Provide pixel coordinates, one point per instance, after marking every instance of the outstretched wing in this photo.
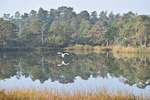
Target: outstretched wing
(59, 53)
(66, 63)
(59, 64)
(66, 53)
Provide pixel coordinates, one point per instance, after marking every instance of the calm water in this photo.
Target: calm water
(76, 71)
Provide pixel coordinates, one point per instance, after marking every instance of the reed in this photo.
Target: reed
(32, 94)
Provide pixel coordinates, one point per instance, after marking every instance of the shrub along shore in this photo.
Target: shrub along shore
(32, 94)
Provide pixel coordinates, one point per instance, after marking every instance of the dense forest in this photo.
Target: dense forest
(64, 27)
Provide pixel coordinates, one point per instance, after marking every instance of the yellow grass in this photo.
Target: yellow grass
(89, 48)
(80, 47)
(32, 94)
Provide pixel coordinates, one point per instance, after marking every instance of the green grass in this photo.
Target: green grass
(32, 94)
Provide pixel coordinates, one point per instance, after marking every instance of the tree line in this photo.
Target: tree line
(64, 27)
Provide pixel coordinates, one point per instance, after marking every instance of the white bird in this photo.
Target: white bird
(63, 54)
(63, 63)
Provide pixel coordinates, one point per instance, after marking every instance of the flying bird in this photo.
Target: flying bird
(63, 54)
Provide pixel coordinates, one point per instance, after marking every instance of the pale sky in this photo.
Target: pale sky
(117, 6)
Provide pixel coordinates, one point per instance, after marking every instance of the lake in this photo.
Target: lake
(80, 71)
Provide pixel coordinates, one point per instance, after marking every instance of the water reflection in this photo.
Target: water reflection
(45, 66)
(63, 63)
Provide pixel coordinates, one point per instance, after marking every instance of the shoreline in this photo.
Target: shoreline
(85, 48)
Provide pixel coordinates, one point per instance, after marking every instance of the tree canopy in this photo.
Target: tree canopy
(63, 27)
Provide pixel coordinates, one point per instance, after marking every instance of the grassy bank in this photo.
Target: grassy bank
(32, 94)
(89, 48)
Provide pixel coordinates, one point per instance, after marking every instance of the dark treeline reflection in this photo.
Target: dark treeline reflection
(44, 66)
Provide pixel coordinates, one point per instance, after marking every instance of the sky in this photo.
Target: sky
(117, 6)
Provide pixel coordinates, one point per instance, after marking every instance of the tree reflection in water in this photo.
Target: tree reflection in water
(43, 66)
